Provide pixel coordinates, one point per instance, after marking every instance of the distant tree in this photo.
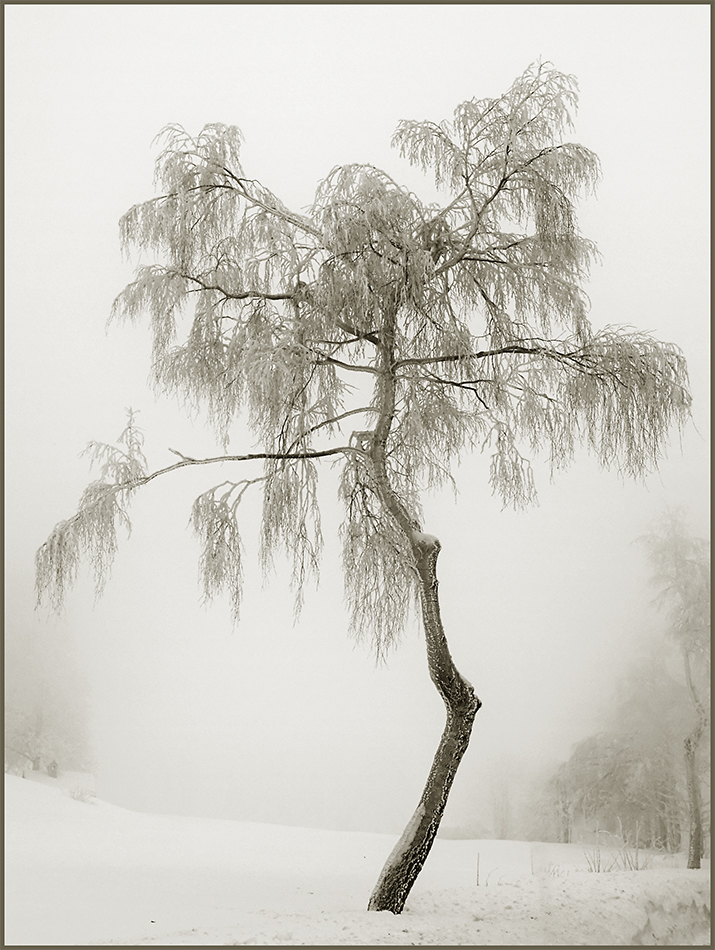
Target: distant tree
(628, 778)
(681, 573)
(651, 713)
(501, 800)
(559, 789)
(34, 739)
(612, 783)
(46, 706)
(468, 320)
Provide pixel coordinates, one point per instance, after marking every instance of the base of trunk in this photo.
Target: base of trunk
(410, 853)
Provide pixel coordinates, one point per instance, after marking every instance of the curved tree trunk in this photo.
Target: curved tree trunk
(409, 855)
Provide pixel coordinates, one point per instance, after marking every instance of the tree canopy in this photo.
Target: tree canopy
(680, 562)
(467, 317)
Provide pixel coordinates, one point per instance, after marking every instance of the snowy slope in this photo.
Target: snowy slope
(89, 873)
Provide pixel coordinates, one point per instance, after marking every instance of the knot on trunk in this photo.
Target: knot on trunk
(464, 701)
(426, 549)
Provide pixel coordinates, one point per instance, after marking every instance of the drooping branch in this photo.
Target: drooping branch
(324, 359)
(332, 421)
(519, 348)
(92, 529)
(468, 384)
(242, 295)
(286, 456)
(275, 208)
(580, 358)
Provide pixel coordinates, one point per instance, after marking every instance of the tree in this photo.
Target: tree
(502, 801)
(623, 781)
(468, 320)
(650, 714)
(46, 704)
(681, 572)
(628, 779)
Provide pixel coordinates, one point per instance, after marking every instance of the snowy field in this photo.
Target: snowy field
(82, 872)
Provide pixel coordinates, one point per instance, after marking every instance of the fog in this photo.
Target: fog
(297, 724)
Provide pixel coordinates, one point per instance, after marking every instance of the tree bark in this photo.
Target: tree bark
(695, 844)
(409, 855)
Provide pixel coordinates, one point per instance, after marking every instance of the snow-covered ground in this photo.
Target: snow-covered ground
(83, 872)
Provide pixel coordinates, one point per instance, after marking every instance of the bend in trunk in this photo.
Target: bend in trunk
(409, 855)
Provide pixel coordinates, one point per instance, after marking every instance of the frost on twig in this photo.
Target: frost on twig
(440, 328)
(92, 532)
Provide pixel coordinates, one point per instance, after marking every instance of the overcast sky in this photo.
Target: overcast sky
(272, 722)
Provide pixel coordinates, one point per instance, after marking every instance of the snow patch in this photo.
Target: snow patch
(425, 540)
(103, 875)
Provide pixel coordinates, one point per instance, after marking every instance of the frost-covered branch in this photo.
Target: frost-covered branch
(92, 531)
(466, 321)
